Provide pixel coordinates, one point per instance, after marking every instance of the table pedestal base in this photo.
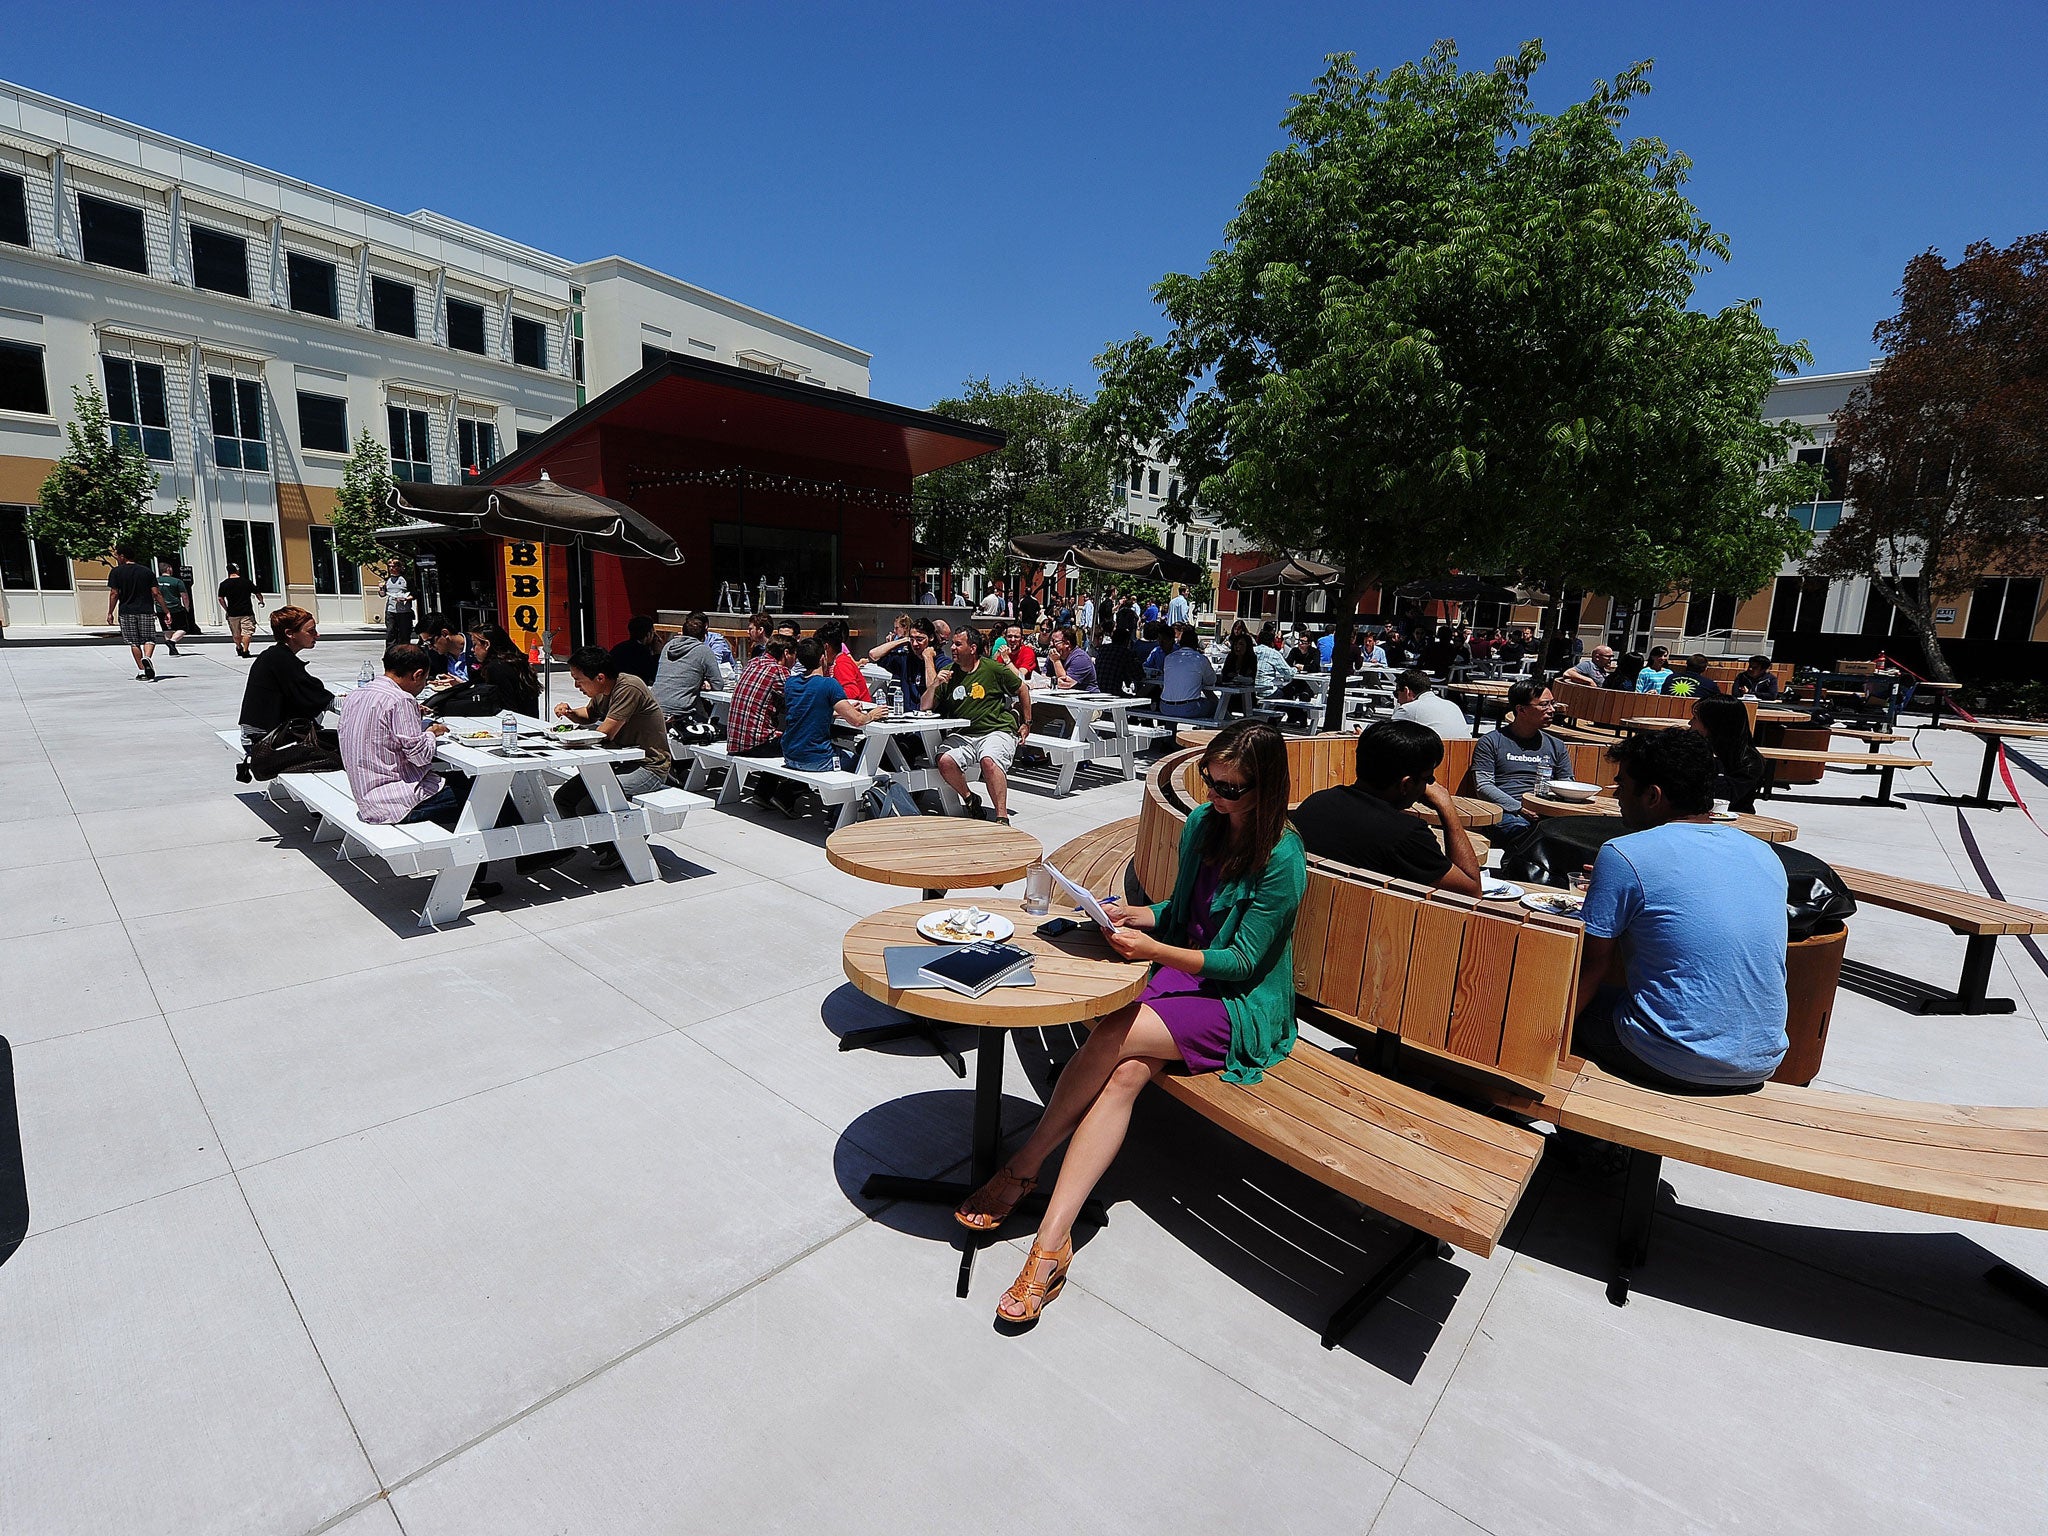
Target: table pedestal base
(907, 1029)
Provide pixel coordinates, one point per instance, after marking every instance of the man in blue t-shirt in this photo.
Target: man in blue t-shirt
(1692, 912)
(812, 700)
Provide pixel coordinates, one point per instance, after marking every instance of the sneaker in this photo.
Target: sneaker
(142, 677)
(149, 671)
(172, 648)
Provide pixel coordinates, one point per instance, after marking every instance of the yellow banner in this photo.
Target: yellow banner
(526, 601)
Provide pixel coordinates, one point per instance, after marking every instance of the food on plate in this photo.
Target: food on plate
(962, 924)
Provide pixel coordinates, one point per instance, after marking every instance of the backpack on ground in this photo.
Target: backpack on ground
(886, 797)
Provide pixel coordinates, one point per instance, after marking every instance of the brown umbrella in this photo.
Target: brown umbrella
(1291, 572)
(1104, 549)
(543, 511)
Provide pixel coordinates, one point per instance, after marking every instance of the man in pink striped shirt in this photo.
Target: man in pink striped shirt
(388, 750)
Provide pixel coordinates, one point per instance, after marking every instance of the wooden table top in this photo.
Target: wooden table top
(1843, 759)
(1076, 977)
(1996, 728)
(1764, 828)
(933, 853)
(1491, 690)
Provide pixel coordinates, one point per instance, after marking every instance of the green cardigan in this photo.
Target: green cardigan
(1251, 958)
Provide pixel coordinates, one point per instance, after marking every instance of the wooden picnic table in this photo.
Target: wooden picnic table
(1765, 828)
(1992, 733)
(1076, 978)
(1885, 766)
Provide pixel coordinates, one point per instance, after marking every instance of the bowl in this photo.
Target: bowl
(1575, 790)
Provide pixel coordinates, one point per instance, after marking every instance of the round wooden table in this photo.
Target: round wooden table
(935, 854)
(1765, 828)
(1075, 978)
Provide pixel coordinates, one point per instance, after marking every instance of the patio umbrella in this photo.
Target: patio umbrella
(542, 512)
(1104, 549)
(1459, 589)
(1291, 572)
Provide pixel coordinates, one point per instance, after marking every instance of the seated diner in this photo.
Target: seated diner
(1366, 824)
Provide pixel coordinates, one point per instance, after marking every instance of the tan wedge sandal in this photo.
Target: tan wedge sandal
(984, 1211)
(1031, 1294)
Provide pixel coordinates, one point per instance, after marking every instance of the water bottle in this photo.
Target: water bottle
(508, 730)
(363, 675)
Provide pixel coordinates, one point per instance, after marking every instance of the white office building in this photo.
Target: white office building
(245, 327)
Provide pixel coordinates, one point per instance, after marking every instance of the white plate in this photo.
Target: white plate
(995, 928)
(1540, 901)
(1726, 816)
(574, 738)
(1501, 891)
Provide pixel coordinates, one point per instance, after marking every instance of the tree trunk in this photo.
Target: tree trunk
(1341, 654)
(1920, 609)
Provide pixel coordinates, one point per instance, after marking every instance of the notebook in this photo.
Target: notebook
(972, 969)
(905, 961)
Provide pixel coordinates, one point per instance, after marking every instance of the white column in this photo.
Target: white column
(279, 292)
(63, 223)
(181, 248)
(439, 330)
(363, 285)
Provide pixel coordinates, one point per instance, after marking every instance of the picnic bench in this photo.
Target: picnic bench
(834, 787)
(1885, 765)
(1993, 733)
(1481, 997)
(1981, 920)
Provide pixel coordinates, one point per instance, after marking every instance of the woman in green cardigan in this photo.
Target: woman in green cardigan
(1221, 997)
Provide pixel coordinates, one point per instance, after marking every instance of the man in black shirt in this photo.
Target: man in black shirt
(131, 586)
(1366, 823)
(237, 598)
(637, 653)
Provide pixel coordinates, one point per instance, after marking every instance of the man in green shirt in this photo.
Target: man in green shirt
(996, 704)
(177, 603)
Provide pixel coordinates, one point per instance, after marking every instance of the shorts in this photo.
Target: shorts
(241, 626)
(967, 752)
(140, 629)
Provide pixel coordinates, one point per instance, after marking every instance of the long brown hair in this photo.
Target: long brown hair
(1258, 750)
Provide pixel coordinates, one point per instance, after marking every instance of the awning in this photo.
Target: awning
(1290, 572)
(540, 511)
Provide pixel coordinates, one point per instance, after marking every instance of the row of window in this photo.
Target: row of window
(1146, 481)
(31, 565)
(113, 235)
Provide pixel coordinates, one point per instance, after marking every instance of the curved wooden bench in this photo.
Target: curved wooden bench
(1099, 860)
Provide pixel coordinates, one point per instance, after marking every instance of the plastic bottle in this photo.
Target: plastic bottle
(508, 730)
(363, 676)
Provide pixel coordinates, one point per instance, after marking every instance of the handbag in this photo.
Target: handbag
(293, 746)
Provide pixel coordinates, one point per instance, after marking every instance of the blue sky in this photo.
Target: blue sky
(966, 189)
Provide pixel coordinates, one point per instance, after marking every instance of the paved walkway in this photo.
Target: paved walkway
(549, 1222)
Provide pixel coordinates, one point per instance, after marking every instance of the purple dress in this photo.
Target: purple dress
(1192, 1009)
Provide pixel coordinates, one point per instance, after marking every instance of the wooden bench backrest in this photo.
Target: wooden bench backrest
(1473, 981)
(1611, 706)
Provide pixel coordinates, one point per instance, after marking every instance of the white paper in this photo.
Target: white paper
(1084, 900)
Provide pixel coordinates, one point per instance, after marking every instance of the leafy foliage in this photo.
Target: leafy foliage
(1046, 478)
(1446, 331)
(153, 535)
(1947, 445)
(100, 490)
(359, 504)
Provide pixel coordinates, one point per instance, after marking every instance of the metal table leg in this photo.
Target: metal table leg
(1982, 799)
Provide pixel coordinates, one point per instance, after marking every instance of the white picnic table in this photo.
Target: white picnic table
(881, 750)
(1085, 706)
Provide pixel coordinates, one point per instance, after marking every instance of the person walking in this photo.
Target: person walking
(397, 605)
(237, 598)
(132, 592)
(178, 618)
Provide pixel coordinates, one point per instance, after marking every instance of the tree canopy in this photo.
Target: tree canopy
(1446, 331)
(1947, 444)
(359, 504)
(101, 493)
(1049, 476)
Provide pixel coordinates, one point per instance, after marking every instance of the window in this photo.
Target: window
(136, 408)
(478, 441)
(1710, 613)
(1825, 510)
(323, 423)
(526, 437)
(391, 307)
(26, 564)
(311, 285)
(1137, 477)
(1880, 618)
(1173, 490)
(529, 342)
(220, 262)
(1798, 604)
(2003, 609)
(13, 209)
(238, 438)
(253, 546)
(332, 575)
(21, 379)
(412, 457)
(579, 363)
(649, 356)
(1152, 482)
(465, 326)
(112, 233)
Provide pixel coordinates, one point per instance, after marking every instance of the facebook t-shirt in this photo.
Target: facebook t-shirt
(1699, 909)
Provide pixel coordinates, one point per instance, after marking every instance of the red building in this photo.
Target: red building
(756, 478)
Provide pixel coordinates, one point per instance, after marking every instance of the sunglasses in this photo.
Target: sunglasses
(1225, 791)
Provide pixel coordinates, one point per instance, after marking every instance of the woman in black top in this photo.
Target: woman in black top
(279, 687)
(1241, 661)
(1623, 678)
(1738, 769)
(501, 663)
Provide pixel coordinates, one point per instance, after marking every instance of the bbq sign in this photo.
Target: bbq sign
(526, 601)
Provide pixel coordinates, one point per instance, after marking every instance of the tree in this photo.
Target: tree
(99, 494)
(1947, 444)
(153, 535)
(359, 504)
(1047, 477)
(1446, 331)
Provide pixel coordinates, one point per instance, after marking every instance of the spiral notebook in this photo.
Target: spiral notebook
(907, 962)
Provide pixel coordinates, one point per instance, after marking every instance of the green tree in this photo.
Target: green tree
(1047, 477)
(1446, 331)
(100, 490)
(153, 535)
(359, 504)
(1947, 445)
